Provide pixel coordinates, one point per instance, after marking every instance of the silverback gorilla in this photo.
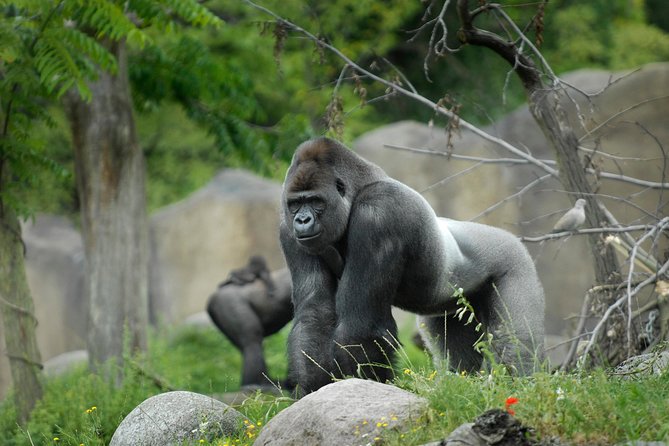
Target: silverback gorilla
(358, 242)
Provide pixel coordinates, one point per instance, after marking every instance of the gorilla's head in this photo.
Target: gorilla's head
(316, 196)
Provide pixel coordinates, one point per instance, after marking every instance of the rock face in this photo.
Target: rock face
(197, 241)
(174, 417)
(55, 263)
(350, 412)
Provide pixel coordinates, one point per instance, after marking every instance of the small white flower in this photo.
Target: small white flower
(559, 394)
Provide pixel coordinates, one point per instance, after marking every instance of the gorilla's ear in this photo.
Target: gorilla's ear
(341, 187)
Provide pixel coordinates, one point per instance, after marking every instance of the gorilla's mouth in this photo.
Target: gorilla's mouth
(307, 237)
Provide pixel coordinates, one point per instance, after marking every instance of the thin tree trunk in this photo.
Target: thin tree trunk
(111, 183)
(547, 110)
(552, 119)
(18, 317)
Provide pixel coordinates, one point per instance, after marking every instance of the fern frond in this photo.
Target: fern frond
(192, 12)
(104, 17)
(57, 68)
(86, 46)
(11, 42)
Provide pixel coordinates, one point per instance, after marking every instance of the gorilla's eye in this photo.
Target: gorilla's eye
(317, 204)
(294, 206)
(341, 188)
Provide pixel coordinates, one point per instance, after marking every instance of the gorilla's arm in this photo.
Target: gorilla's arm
(310, 339)
(382, 219)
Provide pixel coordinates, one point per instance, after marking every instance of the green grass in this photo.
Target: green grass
(592, 409)
(81, 408)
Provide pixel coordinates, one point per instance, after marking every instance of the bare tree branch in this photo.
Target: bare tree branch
(421, 99)
(586, 231)
(526, 161)
(620, 113)
(618, 303)
(522, 191)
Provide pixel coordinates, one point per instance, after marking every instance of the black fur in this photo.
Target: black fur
(246, 313)
(358, 242)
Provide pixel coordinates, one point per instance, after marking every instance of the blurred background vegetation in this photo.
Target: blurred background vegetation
(245, 94)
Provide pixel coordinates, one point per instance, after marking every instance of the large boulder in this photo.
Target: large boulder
(351, 412)
(175, 417)
(197, 241)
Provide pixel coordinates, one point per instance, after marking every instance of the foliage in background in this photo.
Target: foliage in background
(254, 93)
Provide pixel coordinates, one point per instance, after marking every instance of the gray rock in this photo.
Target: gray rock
(349, 412)
(198, 320)
(174, 417)
(655, 363)
(197, 241)
(65, 361)
(55, 267)
(495, 427)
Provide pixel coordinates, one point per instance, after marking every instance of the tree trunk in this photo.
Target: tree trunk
(547, 110)
(110, 174)
(18, 317)
(552, 119)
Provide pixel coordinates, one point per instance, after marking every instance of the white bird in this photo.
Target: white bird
(572, 219)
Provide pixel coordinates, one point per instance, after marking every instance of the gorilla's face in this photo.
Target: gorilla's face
(316, 206)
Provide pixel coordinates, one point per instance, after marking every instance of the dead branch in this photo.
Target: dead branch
(407, 93)
(596, 332)
(558, 235)
(522, 191)
(620, 113)
(526, 161)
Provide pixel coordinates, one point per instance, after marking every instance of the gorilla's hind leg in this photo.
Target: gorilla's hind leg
(452, 340)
